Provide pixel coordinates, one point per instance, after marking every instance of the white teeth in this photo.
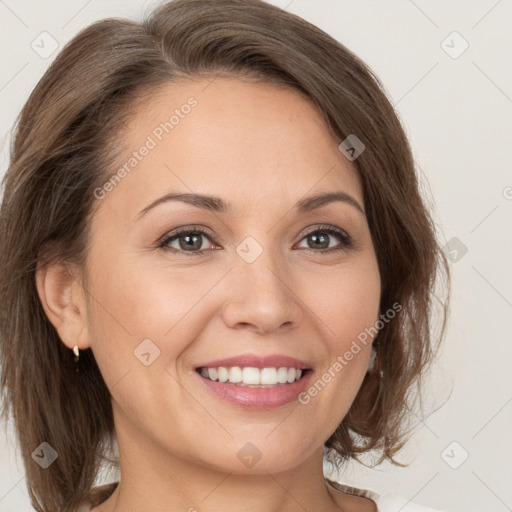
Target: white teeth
(282, 375)
(223, 374)
(250, 376)
(268, 376)
(235, 375)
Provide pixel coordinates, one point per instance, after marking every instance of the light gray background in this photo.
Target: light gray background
(458, 116)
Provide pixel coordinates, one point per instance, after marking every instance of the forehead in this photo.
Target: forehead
(249, 142)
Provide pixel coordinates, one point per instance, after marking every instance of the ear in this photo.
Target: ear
(63, 300)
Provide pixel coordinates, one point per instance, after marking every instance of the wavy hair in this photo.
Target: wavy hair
(63, 149)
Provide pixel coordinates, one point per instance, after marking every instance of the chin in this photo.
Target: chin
(254, 457)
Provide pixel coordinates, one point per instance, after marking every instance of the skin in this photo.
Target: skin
(261, 147)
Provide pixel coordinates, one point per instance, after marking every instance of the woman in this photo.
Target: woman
(225, 269)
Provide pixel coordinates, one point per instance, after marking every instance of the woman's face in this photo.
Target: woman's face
(256, 284)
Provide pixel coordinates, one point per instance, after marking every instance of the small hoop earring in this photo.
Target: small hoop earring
(77, 355)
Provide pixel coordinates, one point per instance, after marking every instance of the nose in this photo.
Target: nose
(261, 297)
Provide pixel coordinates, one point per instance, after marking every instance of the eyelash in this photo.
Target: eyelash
(346, 240)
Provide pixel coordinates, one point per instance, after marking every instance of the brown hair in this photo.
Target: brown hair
(63, 149)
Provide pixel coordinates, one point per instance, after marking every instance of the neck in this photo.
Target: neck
(158, 481)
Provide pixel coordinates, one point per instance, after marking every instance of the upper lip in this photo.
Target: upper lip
(255, 361)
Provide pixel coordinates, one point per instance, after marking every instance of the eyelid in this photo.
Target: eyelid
(329, 228)
(185, 229)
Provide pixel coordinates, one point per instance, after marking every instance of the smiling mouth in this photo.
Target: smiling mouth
(253, 377)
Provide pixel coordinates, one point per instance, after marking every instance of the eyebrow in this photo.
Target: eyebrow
(218, 205)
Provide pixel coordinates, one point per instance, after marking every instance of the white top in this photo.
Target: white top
(387, 502)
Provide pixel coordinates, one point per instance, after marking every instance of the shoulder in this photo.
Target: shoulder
(387, 502)
(97, 496)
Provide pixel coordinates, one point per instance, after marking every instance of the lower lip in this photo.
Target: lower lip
(257, 398)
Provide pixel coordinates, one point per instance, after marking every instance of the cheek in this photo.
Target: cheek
(143, 301)
(347, 302)
(144, 297)
(348, 305)
(144, 311)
